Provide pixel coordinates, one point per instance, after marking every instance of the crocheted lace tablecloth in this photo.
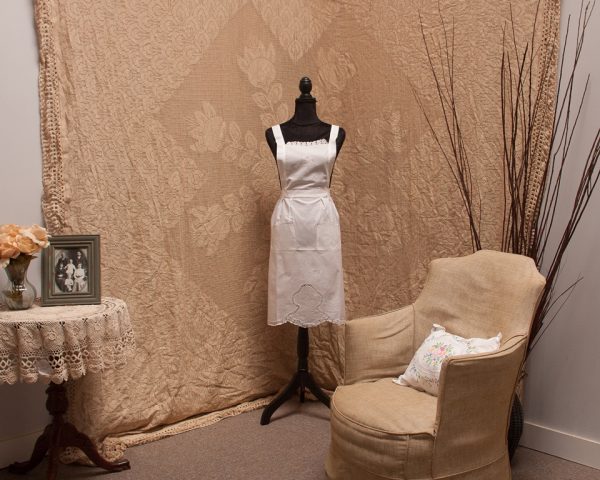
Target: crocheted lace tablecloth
(65, 342)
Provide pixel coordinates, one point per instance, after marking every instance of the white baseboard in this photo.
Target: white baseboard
(561, 444)
(17, 449)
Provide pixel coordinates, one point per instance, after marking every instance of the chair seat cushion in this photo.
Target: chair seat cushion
(384, 428)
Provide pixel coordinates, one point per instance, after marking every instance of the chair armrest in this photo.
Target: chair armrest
(474, 403)
(379, 346)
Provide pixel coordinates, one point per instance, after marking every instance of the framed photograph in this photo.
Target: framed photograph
(71, 270)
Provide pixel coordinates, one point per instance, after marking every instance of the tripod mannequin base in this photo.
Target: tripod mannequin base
(301, 381)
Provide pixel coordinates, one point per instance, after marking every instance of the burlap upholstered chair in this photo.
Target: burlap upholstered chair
(381, 430)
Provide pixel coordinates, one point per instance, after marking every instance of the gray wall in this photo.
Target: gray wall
(22, 412)
(563, 384)
(562, 391)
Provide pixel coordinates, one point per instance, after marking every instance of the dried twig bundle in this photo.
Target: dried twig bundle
(529, 221)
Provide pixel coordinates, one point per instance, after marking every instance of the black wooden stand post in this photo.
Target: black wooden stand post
(301, 380)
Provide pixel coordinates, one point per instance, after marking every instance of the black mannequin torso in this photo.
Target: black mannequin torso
(294, 132)
(305, 125)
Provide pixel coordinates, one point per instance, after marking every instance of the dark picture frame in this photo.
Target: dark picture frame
(71, 270)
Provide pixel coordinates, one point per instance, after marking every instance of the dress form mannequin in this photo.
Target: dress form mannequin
(304, 126)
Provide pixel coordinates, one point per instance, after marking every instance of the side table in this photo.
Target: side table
(63, 343)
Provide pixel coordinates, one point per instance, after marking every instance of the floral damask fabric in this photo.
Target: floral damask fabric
(153, 117)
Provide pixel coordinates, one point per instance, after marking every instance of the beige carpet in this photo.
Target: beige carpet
(293, 446)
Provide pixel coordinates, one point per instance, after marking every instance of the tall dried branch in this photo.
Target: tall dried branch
(521, 104)
(451, 141)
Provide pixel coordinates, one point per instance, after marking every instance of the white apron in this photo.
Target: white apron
(306, 285)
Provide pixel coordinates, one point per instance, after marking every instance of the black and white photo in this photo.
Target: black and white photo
(71, 270)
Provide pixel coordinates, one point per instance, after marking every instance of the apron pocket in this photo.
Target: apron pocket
(283, 236)
(328, 236)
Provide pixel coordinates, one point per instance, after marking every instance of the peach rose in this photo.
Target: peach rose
(15, 240)
(37, 234)
(8, 246)
(26, 245)
(10, 229)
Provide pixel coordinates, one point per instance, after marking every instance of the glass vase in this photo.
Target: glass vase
(17, 292)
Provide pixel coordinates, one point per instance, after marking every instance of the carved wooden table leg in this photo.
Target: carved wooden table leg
(59, 435)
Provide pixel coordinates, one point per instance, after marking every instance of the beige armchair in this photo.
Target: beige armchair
(381, 430)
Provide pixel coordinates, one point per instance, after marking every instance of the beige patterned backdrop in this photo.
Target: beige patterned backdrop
(154, 114)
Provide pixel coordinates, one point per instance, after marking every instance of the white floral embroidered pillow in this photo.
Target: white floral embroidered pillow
(423, 372)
